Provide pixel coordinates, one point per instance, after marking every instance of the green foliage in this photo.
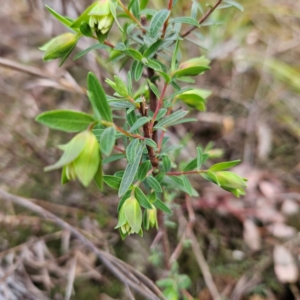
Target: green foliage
(150, 49)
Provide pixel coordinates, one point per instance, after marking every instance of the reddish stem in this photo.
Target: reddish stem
(185, 173)
(203, 18)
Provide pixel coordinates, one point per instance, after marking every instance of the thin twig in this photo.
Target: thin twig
(203, 18)
(167, 21)
(141, 284)
(199, 254)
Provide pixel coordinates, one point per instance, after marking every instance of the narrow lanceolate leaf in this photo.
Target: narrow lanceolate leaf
(154, 89)
(174, 57)
(235, 4)
(139, 123)
(192, 165)
(185, 20)
(144, 168)
(112, 181)
(98, 98)
(107, 140)
(224, 165)
(157, 21)
(131, 150)
(150, 143)
(60, 18)
(199, 158)
(162, 206)
(130, 171)
(65, 120)
(166, 163)
(187, 185)
(94, 47)
(153, 48)
(141, 198)
(171, 118)
(154, 184)
(161, 113)
(113, 158)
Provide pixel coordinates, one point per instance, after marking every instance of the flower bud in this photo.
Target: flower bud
(150, 218)
(101, 18)
(231, 182)
(59, 46)
(81, 158)
(192, 67)
(130, 218)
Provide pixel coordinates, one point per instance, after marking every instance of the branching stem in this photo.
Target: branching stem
(203, 18)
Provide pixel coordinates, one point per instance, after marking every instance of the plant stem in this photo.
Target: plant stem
(147, 133)
(167, 21)
(185, 173)
(126, 133)
(203, 18)
(159, 105)
(132, 17)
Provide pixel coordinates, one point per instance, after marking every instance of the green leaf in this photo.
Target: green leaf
(199, 158)
(161, 113)
(224, 165)
(141, 198)
(174, 57)
(112, 181)
(154, 89)
(171, 118)
(113, 158)
(137, 70)
(98, 98)
(144, 168)
(162, 206)
(112, 8)
(84, 17)
(185, 20)
(131, 150)
(67, 22)
(94, 47)
(139, 123)
(153, 48)
(65, 120)
(157, 21)
(166, 163)
(130, 171)
(121, 86)
(150, 143)
(234, 4)
(213, 177)
(192, 165)
(134, 54)
(86, 30)
(187, 185)
(107, 140)
(154, 184)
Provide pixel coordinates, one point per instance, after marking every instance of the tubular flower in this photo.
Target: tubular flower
(150, 218)
(81, 159)
(231, 182)
(101, 18)
(59, 46)
(130, 218)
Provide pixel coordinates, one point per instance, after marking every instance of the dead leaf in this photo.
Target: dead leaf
(251, 235)
(284, 265)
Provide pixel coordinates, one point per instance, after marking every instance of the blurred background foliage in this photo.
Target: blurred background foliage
(253, 114)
